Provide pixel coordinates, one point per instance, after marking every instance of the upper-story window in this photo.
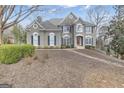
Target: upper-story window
(79, 28)
(88, 30)
(66, 29)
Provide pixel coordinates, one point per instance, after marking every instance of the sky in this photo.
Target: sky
(60, 11)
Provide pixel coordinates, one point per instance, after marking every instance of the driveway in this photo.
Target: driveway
(63, 68)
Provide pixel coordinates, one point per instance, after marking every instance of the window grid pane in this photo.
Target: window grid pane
(66, 29)
(88, 30)
(88, 41)
(79, 28)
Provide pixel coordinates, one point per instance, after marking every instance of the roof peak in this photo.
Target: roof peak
(71, 13)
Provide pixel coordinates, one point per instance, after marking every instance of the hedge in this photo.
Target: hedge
(89, 47)
(13, 53)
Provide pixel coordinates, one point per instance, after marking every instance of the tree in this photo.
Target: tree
(13, 14)
(99, 16)
(5, 39)
(117, 31)
(19, 34)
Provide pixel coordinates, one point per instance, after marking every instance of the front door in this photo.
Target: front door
(79, 40)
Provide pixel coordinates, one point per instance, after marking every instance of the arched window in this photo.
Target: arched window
(88, 40)
(51, 39)
(66, 40)
(35, 39)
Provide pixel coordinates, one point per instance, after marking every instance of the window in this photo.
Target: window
(79, 28)
(66, 40)
(88, 30)
(35, 26)
(89, 40)
(51, 39)
(66, 29)
(35, 39)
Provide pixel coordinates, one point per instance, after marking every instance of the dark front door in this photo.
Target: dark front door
(79, 40)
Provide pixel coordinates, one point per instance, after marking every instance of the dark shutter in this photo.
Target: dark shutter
(62, 29)
(54, 40)
(92, 41)
(38, 40)
(61, 41)
(32, 39)
(48, 40)
(82, 41)
(92, 29)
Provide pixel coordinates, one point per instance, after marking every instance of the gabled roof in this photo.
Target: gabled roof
(55, 21)
(35, 22)
(69, 19)
(49, 25)
(53, 24)
(83, 22)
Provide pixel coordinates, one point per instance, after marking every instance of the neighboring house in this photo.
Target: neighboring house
(8, 37)
(70, 31)
(104, 38)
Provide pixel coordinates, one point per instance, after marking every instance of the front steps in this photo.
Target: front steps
(80, 47)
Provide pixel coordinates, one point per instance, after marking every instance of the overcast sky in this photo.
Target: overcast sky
(55, 11)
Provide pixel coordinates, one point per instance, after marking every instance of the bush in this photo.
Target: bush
(27, 50)
(63, 46)
(89, 47)
(13, 53)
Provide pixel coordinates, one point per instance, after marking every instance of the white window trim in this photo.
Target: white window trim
(35, 26)
(89, 31)
(66, 37)
(35, 36)
(53, 42)
(88, 37)
(67, 31)
(80, 28)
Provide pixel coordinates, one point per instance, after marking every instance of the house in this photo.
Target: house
(70, 31)
(104, 38)
(8, 36)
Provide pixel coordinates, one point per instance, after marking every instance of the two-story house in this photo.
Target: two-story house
(70, 31)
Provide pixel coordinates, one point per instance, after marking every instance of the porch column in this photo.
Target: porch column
(84, 41)
(75, 41)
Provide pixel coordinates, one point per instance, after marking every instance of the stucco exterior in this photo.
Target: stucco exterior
(65, 32)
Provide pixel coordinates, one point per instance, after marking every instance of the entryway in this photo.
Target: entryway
(80, 42)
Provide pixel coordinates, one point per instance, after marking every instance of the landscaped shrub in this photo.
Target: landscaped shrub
(63, 46)
(27, 50)
(13, 53)
(89, 47)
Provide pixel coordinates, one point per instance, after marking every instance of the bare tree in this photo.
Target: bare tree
(99, 16)
(13, 14)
